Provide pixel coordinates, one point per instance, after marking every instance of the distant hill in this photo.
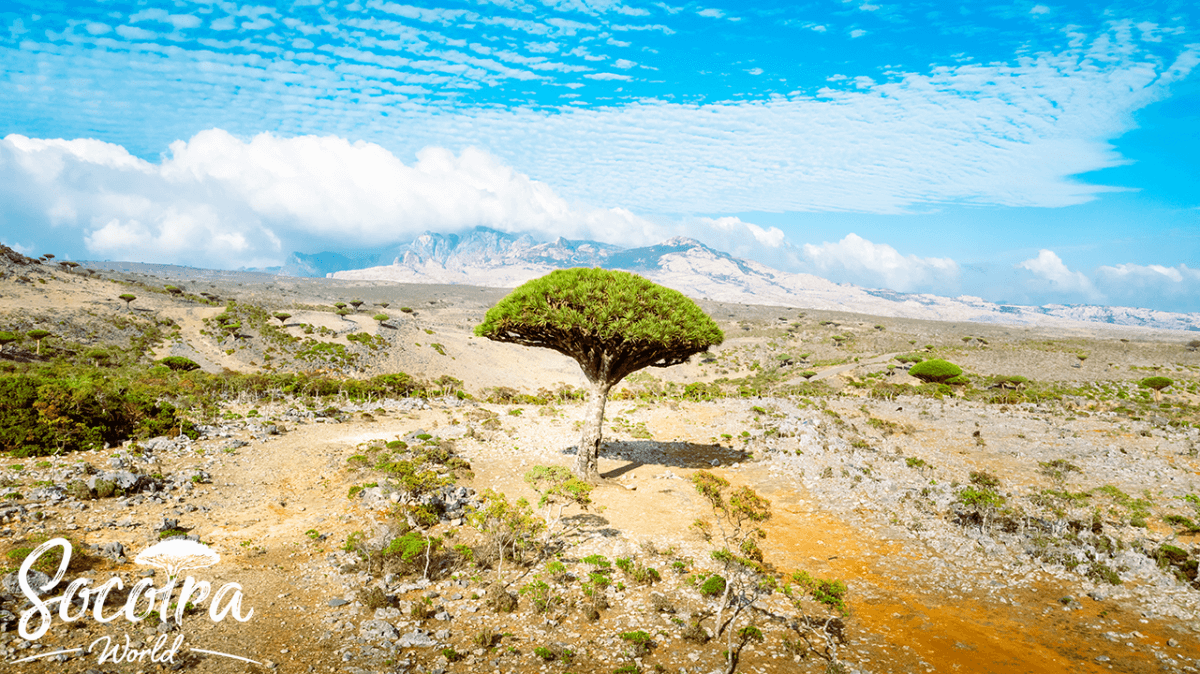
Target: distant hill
(485, 257)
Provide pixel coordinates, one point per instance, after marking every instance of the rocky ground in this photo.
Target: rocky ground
(1070, 565)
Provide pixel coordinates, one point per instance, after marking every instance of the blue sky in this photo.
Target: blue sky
(1028, 152)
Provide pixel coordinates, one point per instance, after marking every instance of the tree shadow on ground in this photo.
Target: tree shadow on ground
(589, 523)
(671, 454)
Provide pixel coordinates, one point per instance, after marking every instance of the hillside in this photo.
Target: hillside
(999, 524)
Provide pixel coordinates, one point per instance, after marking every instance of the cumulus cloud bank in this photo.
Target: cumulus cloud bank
(216, 200)
(861, 259)
(1172, 287)
(1048, 268)
(1050, 280)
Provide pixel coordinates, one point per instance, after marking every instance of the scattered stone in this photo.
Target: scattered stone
(378, 629)
(415, 638)
(36, 578)
(113, 550)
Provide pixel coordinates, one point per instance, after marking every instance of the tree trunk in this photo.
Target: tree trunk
(586, 458)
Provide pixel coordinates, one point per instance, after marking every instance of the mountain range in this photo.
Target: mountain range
(486, 257)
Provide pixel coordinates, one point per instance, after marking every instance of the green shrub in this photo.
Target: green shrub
(540, 595)
(712, 586)
(639, 641)
(50, 560)
(105, 488)
(1103, 573)
(831, 593)
(79, 490)
(1184, 523)
(1015, 381)
(180, 364)
(935, 370)
(50, 415)
(980, 497)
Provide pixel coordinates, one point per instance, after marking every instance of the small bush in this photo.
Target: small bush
(1102, 573)
(179, 363)
(695, 634)
(374, 598)
(935, 370)
(712, 586)
(500, 600)
(984, 479)
(831, 593)
(422, 610)
(105, 488)
(639, 642)
(485, 638)
(79, 490)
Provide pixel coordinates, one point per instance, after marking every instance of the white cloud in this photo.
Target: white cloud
(135, 33)
(24, 250)
(771, 237)
(219, 201)
(257, 24)
(857, 32)
(1152, 274)
(176, 20)
(755, 71)
(1049, 267)
(868, 262)
(1039, 9)
(1144, 285)
(1009, 134)
(711, 13)
(993, 134)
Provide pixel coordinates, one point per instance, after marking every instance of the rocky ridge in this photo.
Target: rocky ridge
(492, 259)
